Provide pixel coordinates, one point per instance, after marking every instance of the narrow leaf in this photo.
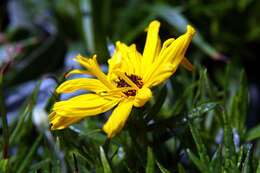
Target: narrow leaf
(29, 157)
(19, 125)
(199, 144)
(258, 167)
(216, 161)
(150, 161)
(246, 167)
(230, 156)
(201, 110)
(180, 168)
(158, 104)
(4, 165)
(200, 165)
(181, 101)
(162, 169)
(104, 161)
(253, 133)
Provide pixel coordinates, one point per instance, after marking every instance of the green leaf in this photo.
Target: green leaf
(199, 144)
(253, 133)
(153, 111)
(162, 169)
(180, 168)
(240, 157)
(200, 165)
(150, 161)
(202, 109)
(238, 107)
(205, 89)
(258, 167)
(28, 159)
(19, 125)
(4, 165)
(216, 161)
(91, 132)
(39, 165)
(230, 156)
(181, 101)
(246, 166)
(104, 161)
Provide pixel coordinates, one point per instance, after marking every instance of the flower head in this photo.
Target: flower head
(128, 83)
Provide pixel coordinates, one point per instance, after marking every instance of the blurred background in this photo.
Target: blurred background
(39, 39)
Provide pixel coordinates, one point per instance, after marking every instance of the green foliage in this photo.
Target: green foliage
(195, 122)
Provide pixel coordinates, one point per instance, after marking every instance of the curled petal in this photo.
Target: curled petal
(152, 45)
(172, 53)
(92, 65)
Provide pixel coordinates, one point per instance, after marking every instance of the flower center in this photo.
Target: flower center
(135, 79)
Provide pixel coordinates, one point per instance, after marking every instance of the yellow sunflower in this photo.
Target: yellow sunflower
(128, 83)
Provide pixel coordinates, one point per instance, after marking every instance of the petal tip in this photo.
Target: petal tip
(79, 56)
(190, 30)
(153, 24)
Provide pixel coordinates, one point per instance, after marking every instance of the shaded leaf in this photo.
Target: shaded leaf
(200, 165)
(162, 169)
(246, 166)
(104, 161)
(150, 161)
(253, 133)
(153, 111)
(29, 157)
(199, 144)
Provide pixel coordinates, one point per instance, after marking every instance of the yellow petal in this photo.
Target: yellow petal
(118, 118)
(170, 56)
(142, 96)
(85, 105)
(77, 71)
(186, 64)
(135, 58)
(125, 59)
(152, 45)
(60, 122)
(84, 83)
(157, 64)
(92, 65)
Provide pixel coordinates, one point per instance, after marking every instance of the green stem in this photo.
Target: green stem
(4, 120)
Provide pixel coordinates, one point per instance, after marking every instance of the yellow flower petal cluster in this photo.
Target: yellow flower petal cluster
(128, 83)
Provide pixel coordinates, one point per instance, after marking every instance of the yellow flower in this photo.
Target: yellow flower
(128, 83)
